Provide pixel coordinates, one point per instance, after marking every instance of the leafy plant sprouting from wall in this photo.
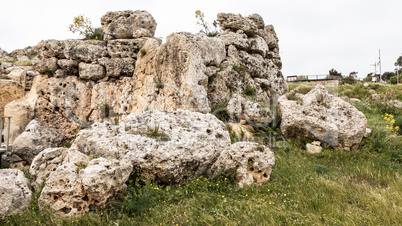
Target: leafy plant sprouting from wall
(83, 26)
(205, 27)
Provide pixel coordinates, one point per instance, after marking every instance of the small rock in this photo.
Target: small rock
(352, 100)
(317, 143)
(368, 133)
(243, 122)
(366, 84)
(375, 96)
(395, 103)
(313, 149)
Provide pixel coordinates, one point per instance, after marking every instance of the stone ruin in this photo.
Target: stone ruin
(146, 106)
(83, 81)
(116, 88)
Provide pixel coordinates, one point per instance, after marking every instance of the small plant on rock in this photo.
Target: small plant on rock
(143, 52)
(83, 26)
(249, 91)
(206, 29)
(94, 156)
(153, 132)
(81, 165)
(221, 112)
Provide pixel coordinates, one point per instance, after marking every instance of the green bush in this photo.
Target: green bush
(398, 122)
(250, 91)
(392, 80)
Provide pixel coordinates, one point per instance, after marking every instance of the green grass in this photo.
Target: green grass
(17, 62)
(360, 187)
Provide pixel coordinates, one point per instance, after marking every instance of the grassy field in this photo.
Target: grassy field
(360, 187)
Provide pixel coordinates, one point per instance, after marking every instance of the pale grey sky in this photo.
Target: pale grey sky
(315, 35)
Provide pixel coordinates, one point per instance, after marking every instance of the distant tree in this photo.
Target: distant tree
(351, 79)
(393, 80)
(368, 78)
(387, 75)
(399, 62)
(83, 26)
(353, 74)
(334, 74)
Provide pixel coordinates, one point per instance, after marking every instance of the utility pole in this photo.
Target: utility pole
(375, 70)
(379, 62)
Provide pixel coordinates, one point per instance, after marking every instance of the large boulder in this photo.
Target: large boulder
(321, 116)
(173, 75)
(3, 53)
(75, 187)
(128, 24)
(92, 72)
(123, 48)
(67, 67)
(19, 75)
(85, 50)
(116, 67)
(9, 90)
(167, 146)
(252, 112)
(14, 192)
(251, 162)
(35, 139)
(49, 159)
(22, 114)
(51, 48)
(235, 22)
(63, 103)
(22, 110)
(47, 65)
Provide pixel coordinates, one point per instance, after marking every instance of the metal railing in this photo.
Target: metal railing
(309, 78)
(4, 150)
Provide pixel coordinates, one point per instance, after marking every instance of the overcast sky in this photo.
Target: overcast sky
(314, 35)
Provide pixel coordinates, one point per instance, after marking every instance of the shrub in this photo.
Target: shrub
(220, 111)
(398, 123)
(239, 69)
(349, 80)
(304, 89)
(393, 80)
(249, 91)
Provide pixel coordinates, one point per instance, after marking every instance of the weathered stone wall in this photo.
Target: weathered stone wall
(131, 71)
